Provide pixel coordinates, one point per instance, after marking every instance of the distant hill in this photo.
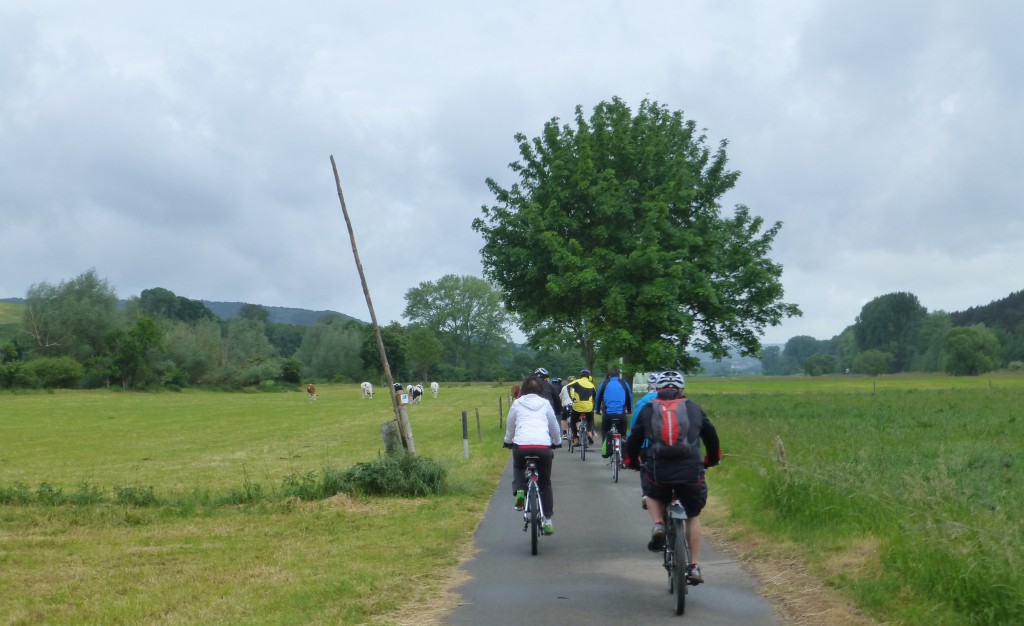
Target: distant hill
(278, 314)
(223, 310)
(1006, 314)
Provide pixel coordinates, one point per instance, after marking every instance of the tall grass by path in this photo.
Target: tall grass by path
(928, 472)
(190, 559)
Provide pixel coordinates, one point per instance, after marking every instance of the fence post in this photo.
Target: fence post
(479, 438)
(465, 436)
(780, 454)
(500, 411)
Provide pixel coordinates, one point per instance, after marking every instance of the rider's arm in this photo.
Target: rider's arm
(712, 447)
(510, 426)
(554, 429)
(637, 436)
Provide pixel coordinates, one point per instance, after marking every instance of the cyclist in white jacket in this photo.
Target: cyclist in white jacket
(532, 430)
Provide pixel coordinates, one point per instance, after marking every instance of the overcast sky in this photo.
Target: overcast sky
(186, 145)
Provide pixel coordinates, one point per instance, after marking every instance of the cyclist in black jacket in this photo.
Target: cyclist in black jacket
(673, 464)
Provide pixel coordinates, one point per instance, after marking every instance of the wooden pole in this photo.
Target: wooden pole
(401, 414)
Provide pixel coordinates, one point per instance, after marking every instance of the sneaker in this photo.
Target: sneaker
(520, 500)
(575, 441)
(549, 526)
(643, 502)
(657, 542)
(693, 576)
(565, 437)
(590, 439)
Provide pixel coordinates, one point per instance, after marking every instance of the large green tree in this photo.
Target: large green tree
(425, 351)
(467, 315)
(331, 350)
(70, 319)
(971, 350)
(613, 239)
(891, 323)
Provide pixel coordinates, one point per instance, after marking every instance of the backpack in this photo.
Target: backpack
(670, 428)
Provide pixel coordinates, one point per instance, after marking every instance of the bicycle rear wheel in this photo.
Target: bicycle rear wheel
(535, 521)
(680, 558)
(615, 466)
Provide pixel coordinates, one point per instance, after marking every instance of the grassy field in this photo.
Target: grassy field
(189, 560)
(904, 493)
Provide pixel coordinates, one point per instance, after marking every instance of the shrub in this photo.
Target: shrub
(14, 375)
(18, 493)
(302, 486)
(60, 372)
(396, 475)
(135, 496)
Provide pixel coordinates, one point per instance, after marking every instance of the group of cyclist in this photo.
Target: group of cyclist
(548, 412)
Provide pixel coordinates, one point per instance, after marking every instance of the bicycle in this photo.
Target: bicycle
(579, 438)
(676, 552)
(616, 455)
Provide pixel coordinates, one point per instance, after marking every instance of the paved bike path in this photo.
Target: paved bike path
(596, 568)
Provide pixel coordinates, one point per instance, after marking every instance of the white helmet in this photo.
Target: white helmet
(670, 379)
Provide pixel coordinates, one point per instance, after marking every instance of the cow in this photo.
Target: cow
(415, 393)
(311, 390)
(434, 388)
(513, 394)
(367, 390)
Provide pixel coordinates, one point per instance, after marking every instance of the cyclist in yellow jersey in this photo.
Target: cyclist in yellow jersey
(582, 393)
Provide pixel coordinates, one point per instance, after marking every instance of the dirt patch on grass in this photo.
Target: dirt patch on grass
(798, 597)
(436, 605)
(368, 506)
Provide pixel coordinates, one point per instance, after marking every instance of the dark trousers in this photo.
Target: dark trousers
(577, 417)
(544, 458)
(606, 424)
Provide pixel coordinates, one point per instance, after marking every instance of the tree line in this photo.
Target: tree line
(895, 333)
(75, 334)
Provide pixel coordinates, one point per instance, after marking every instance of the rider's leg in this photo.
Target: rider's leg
(693, 537)
(656, 509)
(518, 470)
(547, 493)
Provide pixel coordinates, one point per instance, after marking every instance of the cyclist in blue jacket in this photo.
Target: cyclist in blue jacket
(615, 401)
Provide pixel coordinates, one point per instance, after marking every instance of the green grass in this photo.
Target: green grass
(904, 493)
(926, 470)
(184, 556)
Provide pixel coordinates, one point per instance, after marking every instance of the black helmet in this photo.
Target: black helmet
(670, 379)
(540, 372)
(585, 372)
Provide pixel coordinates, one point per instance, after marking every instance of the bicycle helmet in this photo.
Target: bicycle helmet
(670, 379)
(540, 372)
(556, 380)
(652, 379)
(585, 372)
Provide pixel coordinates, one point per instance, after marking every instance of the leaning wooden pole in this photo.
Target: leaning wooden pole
(401, 414)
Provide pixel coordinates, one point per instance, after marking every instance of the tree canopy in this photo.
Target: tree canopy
(613, 239)
(467, 315)
(891, 323)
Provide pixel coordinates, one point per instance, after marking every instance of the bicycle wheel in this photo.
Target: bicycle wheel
(535, 521)
(583, 446)
(680, 558)
(615, 466)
